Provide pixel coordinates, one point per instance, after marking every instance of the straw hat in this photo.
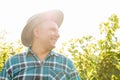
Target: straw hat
(53, 15)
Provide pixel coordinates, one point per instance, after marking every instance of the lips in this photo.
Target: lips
(54, 40)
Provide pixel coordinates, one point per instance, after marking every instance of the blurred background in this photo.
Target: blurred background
(82, 17)
(89, 34)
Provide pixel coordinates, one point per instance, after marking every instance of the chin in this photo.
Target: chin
(52, 47)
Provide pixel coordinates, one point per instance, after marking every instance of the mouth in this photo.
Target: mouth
(54, 40)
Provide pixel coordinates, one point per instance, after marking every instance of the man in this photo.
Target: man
(40, 62)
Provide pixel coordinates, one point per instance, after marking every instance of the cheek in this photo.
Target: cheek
(49, 34)
(46, 35)
(52, 33)
(42, 36)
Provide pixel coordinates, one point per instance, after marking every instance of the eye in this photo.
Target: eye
(54, 29)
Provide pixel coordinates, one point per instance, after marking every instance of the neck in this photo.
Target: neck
(40, 51)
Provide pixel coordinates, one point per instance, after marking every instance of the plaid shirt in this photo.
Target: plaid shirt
(27, 66)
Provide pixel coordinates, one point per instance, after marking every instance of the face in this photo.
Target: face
(47, 34)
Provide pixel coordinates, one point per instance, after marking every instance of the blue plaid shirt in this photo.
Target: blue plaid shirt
(27, 66)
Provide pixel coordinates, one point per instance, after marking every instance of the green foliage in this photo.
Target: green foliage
(8, 49)
(84, 58)
(97, 59)
(109, 58)
(82, 53)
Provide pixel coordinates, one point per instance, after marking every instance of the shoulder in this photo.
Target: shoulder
(62, 58)
(15, 58)
(58, 55)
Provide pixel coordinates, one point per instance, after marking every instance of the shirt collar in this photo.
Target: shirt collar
(51, 53)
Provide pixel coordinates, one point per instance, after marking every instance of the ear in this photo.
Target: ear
(36, 32)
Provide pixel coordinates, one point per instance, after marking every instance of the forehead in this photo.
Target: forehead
(48, 24)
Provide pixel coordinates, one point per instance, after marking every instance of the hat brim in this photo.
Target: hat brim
(53, 15)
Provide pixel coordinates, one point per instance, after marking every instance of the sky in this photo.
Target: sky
(81, 17)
